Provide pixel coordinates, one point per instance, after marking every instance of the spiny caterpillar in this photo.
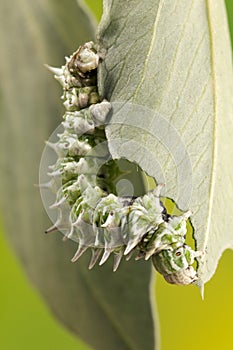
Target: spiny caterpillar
(88, 210)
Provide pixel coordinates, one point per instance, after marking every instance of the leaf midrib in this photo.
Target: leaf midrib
(214, 153)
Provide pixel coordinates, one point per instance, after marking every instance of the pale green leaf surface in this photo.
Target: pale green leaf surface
(174, 58)
(109, 311)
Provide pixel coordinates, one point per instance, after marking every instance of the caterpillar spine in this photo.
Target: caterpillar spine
(82, 177)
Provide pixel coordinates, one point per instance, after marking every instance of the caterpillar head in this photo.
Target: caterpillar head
(84, 60)
(175, 264)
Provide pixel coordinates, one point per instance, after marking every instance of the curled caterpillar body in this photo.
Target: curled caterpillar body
(82, 178)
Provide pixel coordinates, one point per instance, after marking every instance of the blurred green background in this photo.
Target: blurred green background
(185, 320)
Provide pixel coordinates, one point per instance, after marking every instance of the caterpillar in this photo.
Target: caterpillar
(89, 212)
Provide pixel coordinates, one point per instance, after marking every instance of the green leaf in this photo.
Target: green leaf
(108, 310)
(171, 62)
(229, 7)
(96, 7)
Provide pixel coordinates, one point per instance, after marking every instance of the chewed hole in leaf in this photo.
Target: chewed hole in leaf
(124, 178)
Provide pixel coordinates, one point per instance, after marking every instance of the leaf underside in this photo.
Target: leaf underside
(108, 310)
(173, 59)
